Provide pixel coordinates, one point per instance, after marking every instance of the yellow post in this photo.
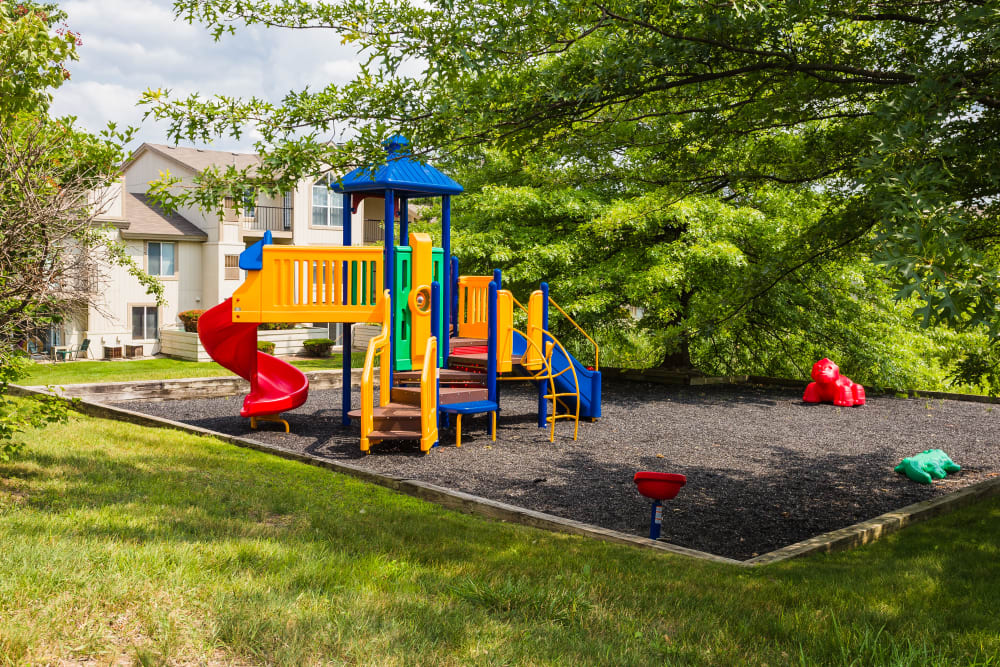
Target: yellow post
(428, 398)
(420, 297)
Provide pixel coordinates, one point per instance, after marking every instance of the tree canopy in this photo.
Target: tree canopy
(890, 108)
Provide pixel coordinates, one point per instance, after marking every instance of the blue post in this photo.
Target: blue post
(656, 520)
(436, 332)
(390, 249)
(404, 222)
(446, 278)
(543, 408)
(496, 279)
(491, 353)
(454, 294)
(345, 402)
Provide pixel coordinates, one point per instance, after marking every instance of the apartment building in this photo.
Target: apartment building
(194, 252)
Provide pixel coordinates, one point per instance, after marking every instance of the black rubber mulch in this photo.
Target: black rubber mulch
(764, 469)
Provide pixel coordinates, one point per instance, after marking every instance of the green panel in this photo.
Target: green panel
(354, 283)
(401, 293)
(437, 264)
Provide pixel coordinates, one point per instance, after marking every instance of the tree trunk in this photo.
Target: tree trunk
(678, 360)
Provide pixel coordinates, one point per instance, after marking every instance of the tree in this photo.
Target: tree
(649, 279)
(889, 109)
(53, 184)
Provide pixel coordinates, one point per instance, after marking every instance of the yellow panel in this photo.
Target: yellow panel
(422, 275)
(291, 287)
(505, 330)
(536, 307)
(473, 295)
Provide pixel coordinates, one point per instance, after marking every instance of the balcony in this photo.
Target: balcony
(374, 231)
(258, 218)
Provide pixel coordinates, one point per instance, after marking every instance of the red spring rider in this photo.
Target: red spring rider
(658, 486)
(832, 387)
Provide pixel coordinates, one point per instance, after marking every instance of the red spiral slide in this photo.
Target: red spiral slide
(275, 386)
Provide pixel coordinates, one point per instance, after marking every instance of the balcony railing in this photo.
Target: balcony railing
(261, 218)
(374, 231)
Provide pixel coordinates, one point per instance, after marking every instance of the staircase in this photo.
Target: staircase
(399, 419)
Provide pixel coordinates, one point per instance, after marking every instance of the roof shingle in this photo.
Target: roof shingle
(147, 220)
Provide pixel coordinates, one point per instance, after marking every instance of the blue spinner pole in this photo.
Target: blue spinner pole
(390, 250)
(446, 278)
(345, 401)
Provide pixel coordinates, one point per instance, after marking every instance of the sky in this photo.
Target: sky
(131, 45)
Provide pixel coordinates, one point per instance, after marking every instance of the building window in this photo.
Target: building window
(145, 322)
(327, 205)
(160, 258)
(232, 267)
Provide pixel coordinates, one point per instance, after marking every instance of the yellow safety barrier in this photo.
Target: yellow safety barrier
(377, 345)
(428, 398)
(473, 306)
(312, 284)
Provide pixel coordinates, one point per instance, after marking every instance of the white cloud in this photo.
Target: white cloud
(131, 45)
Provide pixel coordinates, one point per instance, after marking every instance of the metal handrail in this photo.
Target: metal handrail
(597, 350)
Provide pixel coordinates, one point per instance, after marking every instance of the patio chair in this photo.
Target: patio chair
(74, 351)
(82, 349)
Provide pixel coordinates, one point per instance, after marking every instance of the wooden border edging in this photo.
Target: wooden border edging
(849, 537)
(868, 531)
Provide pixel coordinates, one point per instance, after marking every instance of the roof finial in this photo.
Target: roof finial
(396, 145)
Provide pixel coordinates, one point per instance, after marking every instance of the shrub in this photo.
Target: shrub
(270, 326)
(190, 319)
(265, 346)
(318, 347)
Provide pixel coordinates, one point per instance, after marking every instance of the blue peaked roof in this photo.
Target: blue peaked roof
(400, 173)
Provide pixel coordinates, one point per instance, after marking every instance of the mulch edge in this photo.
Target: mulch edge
(448, 498)
(841, 539)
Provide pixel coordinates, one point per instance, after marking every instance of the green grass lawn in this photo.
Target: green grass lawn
(157, 547)
(79, 372)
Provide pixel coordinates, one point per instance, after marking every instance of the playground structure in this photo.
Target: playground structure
(446, 340)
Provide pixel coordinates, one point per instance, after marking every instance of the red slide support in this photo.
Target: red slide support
(275, 386)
